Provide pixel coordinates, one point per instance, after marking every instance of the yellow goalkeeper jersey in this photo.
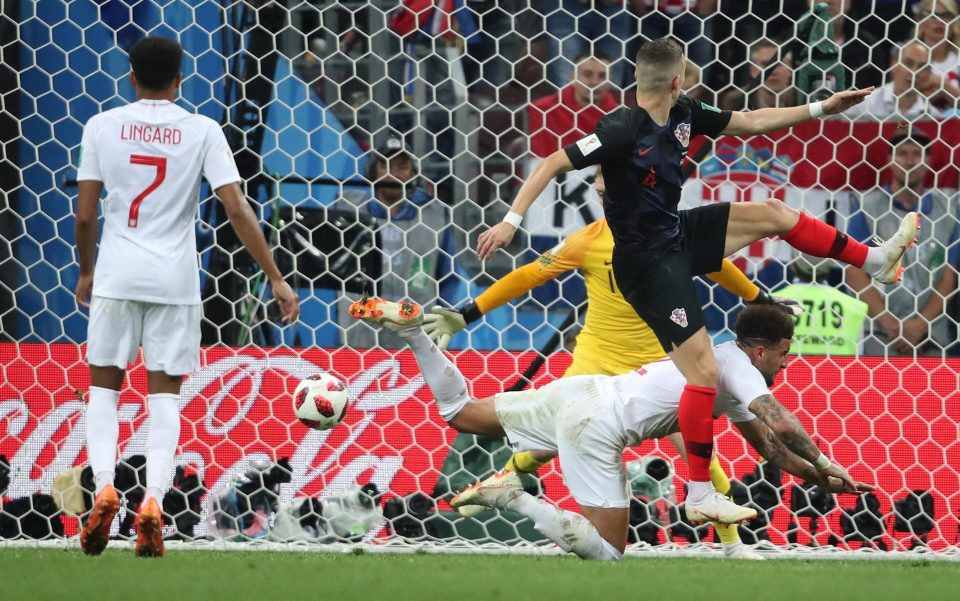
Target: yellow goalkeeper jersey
(614, 340)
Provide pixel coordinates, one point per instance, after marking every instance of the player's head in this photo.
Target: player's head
(591, 82)
(908, 167)
(660, 67)
(155, 63)
(764, 332)
(599, 184)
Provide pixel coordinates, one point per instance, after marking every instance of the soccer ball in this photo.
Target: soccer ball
(321, 401)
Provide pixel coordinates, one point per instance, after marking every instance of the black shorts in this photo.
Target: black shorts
(659, 283)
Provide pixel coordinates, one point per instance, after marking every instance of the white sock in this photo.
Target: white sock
(875, 261)
(570, 531)
(161, 443)
(445, 381)
(103, 429)
(698, 491)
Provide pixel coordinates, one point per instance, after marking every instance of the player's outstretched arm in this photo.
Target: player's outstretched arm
(749, 123)
(86, 230)
(769, 445)
(444, 323)
(789, 430)
(245, 223)
(501, 234)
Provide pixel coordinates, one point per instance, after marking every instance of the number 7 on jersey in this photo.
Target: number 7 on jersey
(161, 164)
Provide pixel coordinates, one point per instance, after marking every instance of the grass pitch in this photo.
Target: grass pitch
(39, 574)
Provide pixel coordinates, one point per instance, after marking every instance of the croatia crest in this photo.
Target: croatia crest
(683, 134)
(679, 316)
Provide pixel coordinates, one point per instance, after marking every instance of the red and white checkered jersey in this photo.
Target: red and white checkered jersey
(150, 156)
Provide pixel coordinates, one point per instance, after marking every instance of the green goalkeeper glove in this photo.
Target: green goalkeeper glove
(444, 323)
(788, 305)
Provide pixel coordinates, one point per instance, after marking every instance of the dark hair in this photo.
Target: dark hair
(763, 323)
(586, 53)
(156, 61)
(908, 133)
(660, 52)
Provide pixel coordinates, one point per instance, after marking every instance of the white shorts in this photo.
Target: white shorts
(169, 335)
(571, 417)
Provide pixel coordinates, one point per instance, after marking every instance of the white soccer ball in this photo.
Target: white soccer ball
(321, 401)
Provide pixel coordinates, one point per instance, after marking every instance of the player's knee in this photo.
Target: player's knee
(779, 215)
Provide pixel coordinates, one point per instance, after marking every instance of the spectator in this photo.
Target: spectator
(859, 49)
(909, 318)
(939, 28)
(775, 90)
(901, 97)
(687, 20)
(412, 228)
(578, 27)
(572, 113)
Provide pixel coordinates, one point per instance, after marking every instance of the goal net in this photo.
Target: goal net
(477, 93)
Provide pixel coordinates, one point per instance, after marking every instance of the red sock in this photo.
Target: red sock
(696, 425)
(819, 239)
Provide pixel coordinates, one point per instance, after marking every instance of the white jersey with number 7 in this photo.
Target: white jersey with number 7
(150, 156)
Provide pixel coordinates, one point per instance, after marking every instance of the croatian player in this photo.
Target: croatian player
(145, 292)
(658, 248)
(589, 421)
(614, 339)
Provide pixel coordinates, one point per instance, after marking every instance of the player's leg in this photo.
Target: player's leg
(589, 442)
(672, 309)
(733, 548)
(113, 340)
(600, 533)
(752, 221)
(171, 350)
(445, 381)
(528, 462)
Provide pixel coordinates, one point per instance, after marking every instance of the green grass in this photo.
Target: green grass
(38, 574)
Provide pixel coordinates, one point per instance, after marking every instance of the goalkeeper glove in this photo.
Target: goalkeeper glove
(788, 305)
(444, 323)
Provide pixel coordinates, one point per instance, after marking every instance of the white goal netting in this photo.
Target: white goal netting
(478, 92)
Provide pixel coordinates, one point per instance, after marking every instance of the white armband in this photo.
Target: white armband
(822, 463)
(816, 109)
(513, 218)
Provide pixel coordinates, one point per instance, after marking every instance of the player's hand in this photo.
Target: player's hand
(836, 485)
(841, 101)
(442, 324)
(84, 290)
(287, 299)
(837, 472)
(788, 305)
(494, 238)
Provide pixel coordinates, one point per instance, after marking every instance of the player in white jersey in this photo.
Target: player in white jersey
(589, 421)
(149, 156)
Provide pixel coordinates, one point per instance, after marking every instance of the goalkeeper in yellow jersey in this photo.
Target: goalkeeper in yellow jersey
(614, 339)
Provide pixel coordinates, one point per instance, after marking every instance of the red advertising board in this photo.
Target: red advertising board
(895, 424)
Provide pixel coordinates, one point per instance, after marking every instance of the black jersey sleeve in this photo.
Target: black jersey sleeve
(705, 119)
(613, 137)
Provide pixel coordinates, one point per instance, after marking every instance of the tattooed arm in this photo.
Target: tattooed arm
(786, 426)
(791, 432)
(772, 448)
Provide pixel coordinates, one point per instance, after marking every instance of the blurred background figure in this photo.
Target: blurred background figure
(902, 97)
(566, 116)
(412, 228)
(909, 318)
(576, 27)
(762, 85)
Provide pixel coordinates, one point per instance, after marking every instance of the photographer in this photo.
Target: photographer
(412, 228)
